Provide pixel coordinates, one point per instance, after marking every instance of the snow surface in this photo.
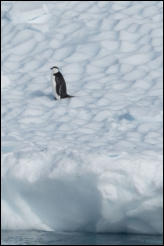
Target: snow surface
(93, 162)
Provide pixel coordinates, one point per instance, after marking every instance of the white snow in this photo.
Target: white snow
(92, 162)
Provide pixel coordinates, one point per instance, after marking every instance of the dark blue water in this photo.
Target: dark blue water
(54, 238)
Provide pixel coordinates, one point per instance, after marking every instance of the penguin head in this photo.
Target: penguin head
(54, 69)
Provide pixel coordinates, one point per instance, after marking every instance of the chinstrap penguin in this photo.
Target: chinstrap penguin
(59, 88)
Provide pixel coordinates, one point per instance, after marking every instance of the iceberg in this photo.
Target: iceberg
(92, 163)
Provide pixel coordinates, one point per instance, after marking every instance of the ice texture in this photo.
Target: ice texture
(93, 162)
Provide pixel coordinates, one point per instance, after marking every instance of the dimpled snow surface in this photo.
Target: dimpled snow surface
(92, 163)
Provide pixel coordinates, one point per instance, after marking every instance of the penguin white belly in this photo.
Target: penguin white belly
(54, 88)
